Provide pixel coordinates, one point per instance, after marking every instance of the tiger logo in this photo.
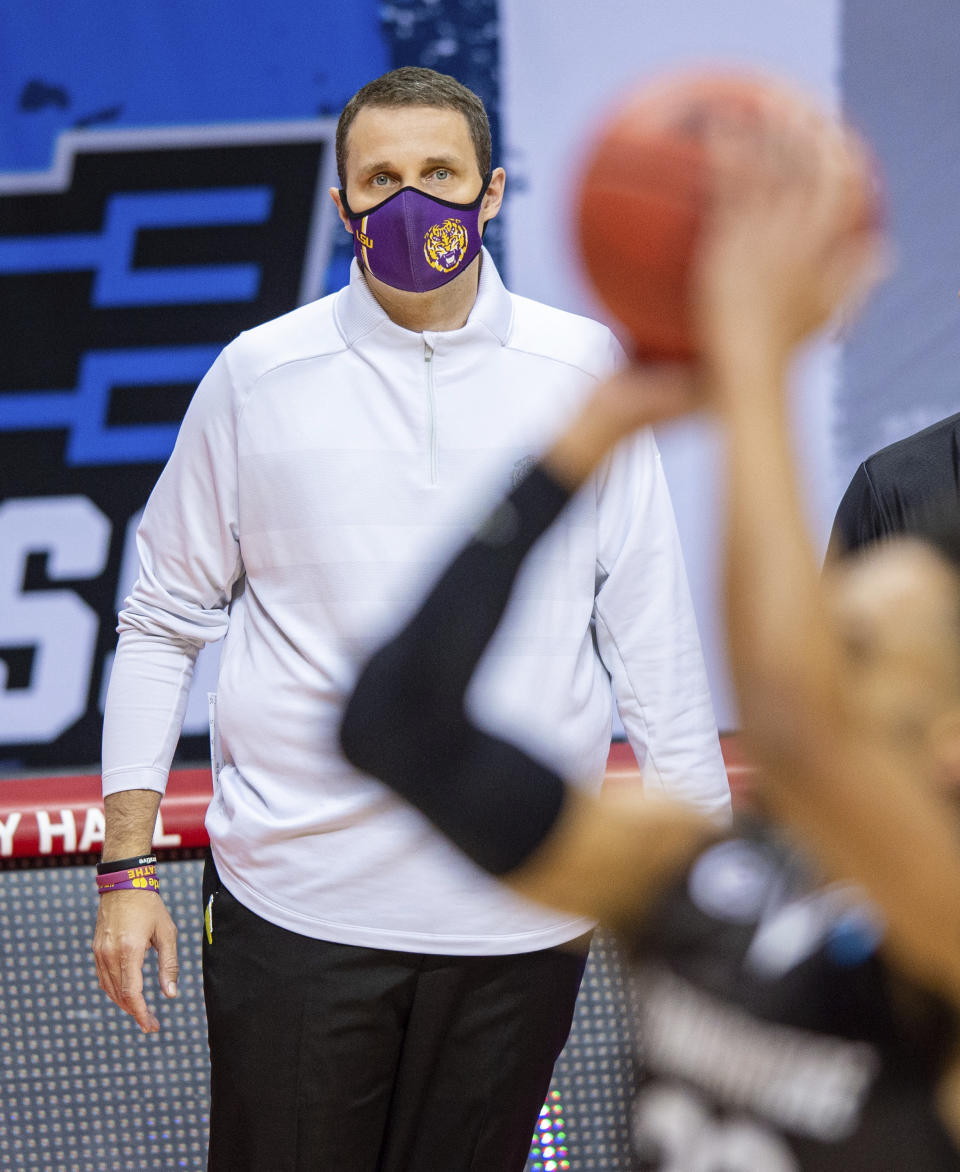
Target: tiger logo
(445, 245)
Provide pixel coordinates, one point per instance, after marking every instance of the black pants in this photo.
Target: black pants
(334, 1058)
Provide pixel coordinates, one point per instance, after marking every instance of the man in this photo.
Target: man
(783, 1023)
(374, 1001)
(894, 485)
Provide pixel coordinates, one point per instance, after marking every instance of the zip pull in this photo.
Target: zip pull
(432, 441)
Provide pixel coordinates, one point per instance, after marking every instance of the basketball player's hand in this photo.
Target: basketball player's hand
(638, 396)
(789, 236)
(643, 394)
(129, 923)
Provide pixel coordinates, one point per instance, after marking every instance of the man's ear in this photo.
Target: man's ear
(338, 202)
(493, 196)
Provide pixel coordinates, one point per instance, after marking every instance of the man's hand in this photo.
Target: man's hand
(128, 924)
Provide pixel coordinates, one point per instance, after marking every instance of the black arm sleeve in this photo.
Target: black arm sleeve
(406, 724)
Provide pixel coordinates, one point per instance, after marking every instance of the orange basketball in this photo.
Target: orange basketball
(642, 195)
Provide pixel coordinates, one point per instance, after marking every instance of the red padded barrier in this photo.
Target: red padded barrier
(62, 814)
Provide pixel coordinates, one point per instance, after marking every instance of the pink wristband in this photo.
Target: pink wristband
(134, 879)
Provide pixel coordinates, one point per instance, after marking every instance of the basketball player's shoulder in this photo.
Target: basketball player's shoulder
(560, 336)
(309, 331)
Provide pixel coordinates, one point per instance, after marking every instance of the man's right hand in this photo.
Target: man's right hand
(128, 924)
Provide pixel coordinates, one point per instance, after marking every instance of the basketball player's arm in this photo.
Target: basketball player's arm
(865, 809)
(598, 856)
(609, 853)
(766, 284)
(130, 922)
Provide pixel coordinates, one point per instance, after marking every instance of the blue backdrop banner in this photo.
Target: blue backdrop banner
(163, 186)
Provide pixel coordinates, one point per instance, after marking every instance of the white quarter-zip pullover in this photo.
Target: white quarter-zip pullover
(328, 464)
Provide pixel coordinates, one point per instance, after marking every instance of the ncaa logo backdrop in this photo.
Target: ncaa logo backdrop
(121, 274)
(163, 186)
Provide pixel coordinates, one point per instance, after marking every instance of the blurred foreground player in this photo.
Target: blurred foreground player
(793, 1011)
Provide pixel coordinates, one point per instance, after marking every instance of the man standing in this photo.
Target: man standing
(375, 1001)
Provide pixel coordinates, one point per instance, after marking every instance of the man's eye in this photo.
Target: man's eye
(381, 180)
(441, 173)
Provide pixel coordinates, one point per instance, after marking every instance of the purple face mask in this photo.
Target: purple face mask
(415, 242)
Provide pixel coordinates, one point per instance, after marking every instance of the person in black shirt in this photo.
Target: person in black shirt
(796, 1007)
(896, 485)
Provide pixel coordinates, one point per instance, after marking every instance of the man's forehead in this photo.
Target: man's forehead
(440, 132)
(449, 159)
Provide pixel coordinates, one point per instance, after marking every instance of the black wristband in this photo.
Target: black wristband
(125, 864)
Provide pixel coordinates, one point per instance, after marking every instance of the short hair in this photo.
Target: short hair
(412, 85)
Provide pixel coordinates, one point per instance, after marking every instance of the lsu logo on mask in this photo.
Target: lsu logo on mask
(445, 245)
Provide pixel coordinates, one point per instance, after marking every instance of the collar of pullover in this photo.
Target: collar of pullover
(359, 312)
